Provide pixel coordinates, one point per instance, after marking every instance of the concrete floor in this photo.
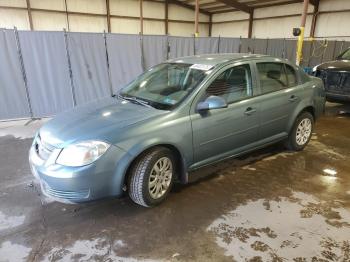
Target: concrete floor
(268, 206)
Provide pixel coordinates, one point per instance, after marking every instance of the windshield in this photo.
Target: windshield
(165, 86)
(345, 55)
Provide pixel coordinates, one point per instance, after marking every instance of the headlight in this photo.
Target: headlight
(81, 154)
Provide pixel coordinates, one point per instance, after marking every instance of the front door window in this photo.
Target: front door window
(234, 84)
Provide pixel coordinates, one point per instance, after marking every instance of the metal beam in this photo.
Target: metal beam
(29, 15)
(141, 17)
(313, 2)
(176, 2)
(302, 29)
(251, 20)
(210, 24)
(314, 19)
(166, 17)
(219, 8)
(66, 12)
(237, 5)
(108, 16)
(196, 18)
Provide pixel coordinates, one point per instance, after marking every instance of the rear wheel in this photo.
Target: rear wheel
(301, 132)
(152, 177)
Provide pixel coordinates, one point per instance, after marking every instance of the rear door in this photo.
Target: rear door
(280, 95)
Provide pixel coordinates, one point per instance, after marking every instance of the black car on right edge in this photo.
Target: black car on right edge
(336, 77)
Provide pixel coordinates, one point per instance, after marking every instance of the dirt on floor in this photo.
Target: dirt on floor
(270, 205)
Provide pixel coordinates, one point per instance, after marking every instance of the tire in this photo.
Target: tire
(149, 182)
(303, 127)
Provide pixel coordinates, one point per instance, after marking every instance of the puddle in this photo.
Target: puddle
(274, 157)
(300, 227)
(21, 129)
(326, 149)
(344, 113)
(98, 249)
(8, 222)
(13, 252)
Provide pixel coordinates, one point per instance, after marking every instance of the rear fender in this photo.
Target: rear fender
(304, 105)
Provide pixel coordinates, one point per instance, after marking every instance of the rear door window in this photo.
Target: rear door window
(272, 77)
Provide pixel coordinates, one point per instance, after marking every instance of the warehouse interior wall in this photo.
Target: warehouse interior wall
(125, 17)
(278, 21)
(332, 22)
(334, 25)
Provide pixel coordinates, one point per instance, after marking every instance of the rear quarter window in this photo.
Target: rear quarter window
(304, 78)
(291, 76)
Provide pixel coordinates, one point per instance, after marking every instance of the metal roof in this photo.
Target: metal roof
(223, 6)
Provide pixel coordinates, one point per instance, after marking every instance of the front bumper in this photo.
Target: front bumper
(102, 178)
(337, 97)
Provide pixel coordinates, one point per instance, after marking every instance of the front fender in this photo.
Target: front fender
(137, 149)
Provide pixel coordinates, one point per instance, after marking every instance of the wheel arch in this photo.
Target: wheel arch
(302, 108)
(309, 109)
(180, 162)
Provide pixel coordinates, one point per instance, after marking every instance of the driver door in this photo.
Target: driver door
(219, 133)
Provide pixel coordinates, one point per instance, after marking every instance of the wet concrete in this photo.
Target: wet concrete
(271, 205)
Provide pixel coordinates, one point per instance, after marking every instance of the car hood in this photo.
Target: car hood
(99, 120)
(335, 65)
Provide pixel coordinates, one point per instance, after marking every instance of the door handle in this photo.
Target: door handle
(249, 111)
(293, 98)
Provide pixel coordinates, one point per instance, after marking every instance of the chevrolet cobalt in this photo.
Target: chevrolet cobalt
(178, 116)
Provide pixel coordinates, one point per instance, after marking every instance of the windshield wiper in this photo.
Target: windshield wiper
(135, 100)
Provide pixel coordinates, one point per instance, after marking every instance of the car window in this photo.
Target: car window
(291, 75)
(272, 77)
(166, 85)
(233, 84)
(345, 55)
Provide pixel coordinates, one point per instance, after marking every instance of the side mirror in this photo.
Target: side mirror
(212, 102)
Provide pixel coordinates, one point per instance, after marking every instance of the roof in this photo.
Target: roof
(214, 59)
(223, 6)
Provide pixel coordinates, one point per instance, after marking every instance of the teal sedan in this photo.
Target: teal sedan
(178, 116)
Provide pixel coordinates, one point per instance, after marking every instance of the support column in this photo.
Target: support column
(141, 17)
(196, 17)
(166, 17)
(210, 23)
(302, 29)
(251, 20)
(108, 16)
(65, 4)
(30, 15)
(314, 18)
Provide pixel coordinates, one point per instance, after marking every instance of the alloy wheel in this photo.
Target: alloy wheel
(160, 177)
(303, 131)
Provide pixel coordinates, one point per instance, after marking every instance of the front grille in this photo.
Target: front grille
(71, 195)
(334, 81)
(43, 149)
(346, 81)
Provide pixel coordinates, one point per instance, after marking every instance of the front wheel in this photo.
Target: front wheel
(301, 132)
(152, 177)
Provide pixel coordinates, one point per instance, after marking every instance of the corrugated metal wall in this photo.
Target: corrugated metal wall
(44, 73)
